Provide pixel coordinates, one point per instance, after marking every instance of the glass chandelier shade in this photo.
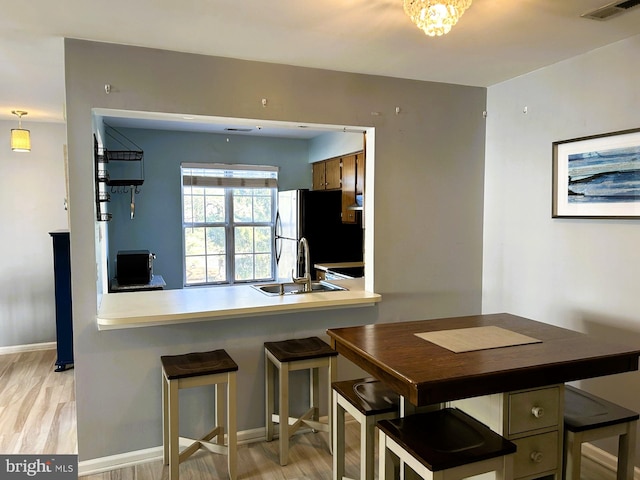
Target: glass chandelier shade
(435, 17)
(20, 138)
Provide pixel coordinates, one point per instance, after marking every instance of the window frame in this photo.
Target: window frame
(229, 223)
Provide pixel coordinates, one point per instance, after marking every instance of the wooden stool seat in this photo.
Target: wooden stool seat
(287, 356)
(445, 443)
(196, 364)
(299, 349)
(588, 417)
(368, 401)
(194, 370)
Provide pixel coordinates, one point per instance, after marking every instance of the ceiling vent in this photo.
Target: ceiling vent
(611, 10)
(236, 129)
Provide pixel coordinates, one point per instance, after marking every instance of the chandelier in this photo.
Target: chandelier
(435, 17)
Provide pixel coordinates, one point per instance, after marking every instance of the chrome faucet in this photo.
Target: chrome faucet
(303, 245)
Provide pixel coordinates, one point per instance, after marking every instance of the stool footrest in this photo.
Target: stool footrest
(197, 445)
(304, 420)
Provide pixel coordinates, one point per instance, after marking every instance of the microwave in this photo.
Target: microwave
(134, 267)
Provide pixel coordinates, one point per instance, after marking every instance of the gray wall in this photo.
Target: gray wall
(32, 193)
(426, 228)
(164, 151)
(578, 273)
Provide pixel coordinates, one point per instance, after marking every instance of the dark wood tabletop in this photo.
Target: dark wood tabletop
(425, 373)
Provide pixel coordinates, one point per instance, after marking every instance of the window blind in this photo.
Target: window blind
(227, 175)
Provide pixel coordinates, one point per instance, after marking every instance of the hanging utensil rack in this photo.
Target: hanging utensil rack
(132, 158)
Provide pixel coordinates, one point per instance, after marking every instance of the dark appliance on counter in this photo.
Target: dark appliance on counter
(134, 267)
(317, 216)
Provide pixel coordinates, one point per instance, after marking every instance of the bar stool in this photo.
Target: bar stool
(444, 444)
(587, 418)
(195, 370)
(367, 400)
(287, 356)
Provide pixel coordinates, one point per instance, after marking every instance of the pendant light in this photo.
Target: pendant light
(20, 138)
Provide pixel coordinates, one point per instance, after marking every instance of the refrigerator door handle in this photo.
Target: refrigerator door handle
(277, 246)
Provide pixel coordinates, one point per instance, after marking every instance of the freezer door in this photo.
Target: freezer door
(286, 237)
(288, 214)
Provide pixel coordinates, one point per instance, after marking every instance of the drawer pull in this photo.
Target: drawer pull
(536, 457)
(537, 412)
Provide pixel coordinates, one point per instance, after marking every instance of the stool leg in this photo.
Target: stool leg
(232, 427)
(283, 413)
(626, 453)
(507, 468)
(385, 459)
(219, 394)
(572, 455)
(165, 420)
(333, 373)
(174, 452)
(339, 449)
(314, 397)
(269, 385)
(367, 447)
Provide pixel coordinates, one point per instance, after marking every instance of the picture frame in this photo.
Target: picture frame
(597, 176)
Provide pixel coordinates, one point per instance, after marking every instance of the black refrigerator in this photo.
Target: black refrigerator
(317, 216)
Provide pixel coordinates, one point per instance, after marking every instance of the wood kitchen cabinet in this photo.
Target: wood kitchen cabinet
(352, 185)
(327, 175)
(346, 173)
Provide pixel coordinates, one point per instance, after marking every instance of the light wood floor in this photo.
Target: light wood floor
(37, 416)
(37, 405)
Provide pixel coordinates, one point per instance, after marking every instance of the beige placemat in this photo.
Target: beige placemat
(476, 338)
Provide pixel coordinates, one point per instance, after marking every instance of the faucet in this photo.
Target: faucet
(303, 245)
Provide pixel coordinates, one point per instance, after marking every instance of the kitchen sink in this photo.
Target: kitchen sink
(290, 288)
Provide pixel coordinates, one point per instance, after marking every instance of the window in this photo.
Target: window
(228, 218)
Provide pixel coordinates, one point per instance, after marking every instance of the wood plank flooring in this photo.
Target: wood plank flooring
(38, 416)
(37, 405)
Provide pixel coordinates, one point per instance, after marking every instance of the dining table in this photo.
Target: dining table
(507, 370)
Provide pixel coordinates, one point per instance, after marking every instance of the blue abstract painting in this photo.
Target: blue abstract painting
(604, 176)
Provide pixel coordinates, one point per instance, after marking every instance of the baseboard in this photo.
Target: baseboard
(128, 459)
(32, 347)
(606, 460)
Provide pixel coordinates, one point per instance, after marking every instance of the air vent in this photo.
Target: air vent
(611, 10)
(232, 129)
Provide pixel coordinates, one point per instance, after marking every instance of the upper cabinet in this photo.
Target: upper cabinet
(326, 174)
(345, 173)
(352, 186)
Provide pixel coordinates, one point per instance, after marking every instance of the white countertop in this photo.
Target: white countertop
(196, 304)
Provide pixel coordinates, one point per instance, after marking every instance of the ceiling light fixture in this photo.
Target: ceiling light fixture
(435, 17)
(20, 138)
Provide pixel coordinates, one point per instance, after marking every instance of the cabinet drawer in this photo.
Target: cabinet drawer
(535, 454)
(533, 410)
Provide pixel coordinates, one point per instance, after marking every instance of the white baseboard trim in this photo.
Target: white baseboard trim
(128, 459)
(32, 347)
(606, 460)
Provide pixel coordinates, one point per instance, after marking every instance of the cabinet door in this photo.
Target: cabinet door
(318, 176)
(348, 188)
(332, 174)
(360, 173)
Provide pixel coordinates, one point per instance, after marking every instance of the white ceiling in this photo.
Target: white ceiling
(494, 41)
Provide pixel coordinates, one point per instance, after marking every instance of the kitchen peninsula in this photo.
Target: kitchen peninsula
(166, 307)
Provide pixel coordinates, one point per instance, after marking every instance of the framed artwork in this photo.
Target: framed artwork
(597, 176)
